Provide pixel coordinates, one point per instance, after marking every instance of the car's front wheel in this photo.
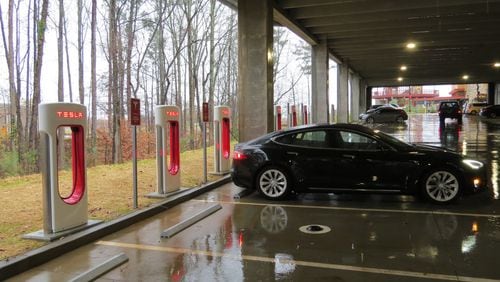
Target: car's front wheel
(493, 115)
(274, 183)
(370, 120)
(400, 119)
(441, 186)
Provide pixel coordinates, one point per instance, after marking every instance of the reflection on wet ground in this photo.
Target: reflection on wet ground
(366, 237)
(476, 138)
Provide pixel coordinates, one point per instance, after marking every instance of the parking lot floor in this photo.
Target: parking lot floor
(309, 237)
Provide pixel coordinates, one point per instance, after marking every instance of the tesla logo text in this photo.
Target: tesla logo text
(172, 114)
(69, 114)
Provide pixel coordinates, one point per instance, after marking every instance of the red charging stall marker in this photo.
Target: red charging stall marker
(294, 116)
(277, 118)
(222, 137)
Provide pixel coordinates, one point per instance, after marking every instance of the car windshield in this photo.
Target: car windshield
(393, 141)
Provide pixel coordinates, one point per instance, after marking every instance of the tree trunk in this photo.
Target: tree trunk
(81, 92)
(130, 45)
(161, 56)
(191, 76)
(60, 82)
(70, 84)
(114, 83)
(93, 84)
(211, 86)
(42, 25)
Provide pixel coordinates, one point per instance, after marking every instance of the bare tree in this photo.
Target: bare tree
(81, 92)
(42, 25)
(93, 83)
(114, 82)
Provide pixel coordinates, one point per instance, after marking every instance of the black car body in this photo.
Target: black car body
(449, 109)
(351, 158)
(384, 114)
(492, 111)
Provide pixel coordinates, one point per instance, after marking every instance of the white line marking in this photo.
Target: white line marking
(299, 262)
(355, 209)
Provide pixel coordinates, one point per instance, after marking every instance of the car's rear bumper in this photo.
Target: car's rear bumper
(242, 177)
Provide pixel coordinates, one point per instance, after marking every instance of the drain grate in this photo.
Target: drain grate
(315, 229)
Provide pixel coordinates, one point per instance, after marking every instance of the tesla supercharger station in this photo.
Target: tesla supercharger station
(66, 214)
(167, 120)
(293, 116)
(277, 118)
(305, 115)
(222, 139)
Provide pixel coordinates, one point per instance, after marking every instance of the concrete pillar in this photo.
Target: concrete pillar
(355, 97)
(255, 68)
(362, 96)
(493, 93)
(342, 93)
(497, 94)
(319, 99)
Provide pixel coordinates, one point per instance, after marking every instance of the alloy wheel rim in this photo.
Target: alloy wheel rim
(273, 183)
(442, 186)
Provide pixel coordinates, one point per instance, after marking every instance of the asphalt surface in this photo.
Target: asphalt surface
(315, 237)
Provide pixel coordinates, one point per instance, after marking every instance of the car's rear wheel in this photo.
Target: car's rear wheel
(274, 183)
(441, 186)
(370, 120)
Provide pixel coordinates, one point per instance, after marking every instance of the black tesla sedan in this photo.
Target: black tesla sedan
(352, 158)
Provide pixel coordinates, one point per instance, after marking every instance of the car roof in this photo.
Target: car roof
(348, 126)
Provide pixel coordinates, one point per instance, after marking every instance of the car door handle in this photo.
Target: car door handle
(292, 153)
(348, 156)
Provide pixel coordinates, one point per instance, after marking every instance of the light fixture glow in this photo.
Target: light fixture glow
(400, 79)
(496, 65)
(465, 77)
(411, 45)
(403, 68)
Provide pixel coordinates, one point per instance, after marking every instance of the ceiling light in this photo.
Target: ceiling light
(403, 68)
(496, 65)
(465, 77)
(400, 79)
(411, 45)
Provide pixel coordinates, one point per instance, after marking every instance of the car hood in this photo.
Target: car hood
(433, 149)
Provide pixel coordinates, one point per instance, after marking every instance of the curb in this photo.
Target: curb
(24, 262)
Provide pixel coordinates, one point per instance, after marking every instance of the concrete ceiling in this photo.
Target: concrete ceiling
(453, 37)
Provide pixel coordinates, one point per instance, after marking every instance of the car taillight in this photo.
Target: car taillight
(238, 156)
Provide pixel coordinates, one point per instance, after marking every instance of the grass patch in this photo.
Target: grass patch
(109, 196)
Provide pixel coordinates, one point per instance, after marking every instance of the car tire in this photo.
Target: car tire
(473, 112)
(400, 119)
(441, 186)
(370, 120)
(274, 183)
(493, 115)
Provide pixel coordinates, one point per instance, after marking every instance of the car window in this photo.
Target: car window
(387, 110)
(315, 139)
(448, 105)
(355, 141)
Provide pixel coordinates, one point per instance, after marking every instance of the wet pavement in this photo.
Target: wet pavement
(366, 237)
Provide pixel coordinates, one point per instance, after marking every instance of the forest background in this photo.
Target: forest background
(102, 53)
